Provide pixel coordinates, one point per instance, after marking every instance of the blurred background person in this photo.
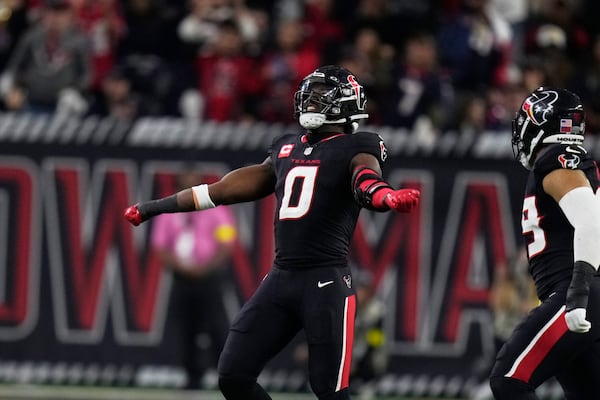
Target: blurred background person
(196, 248)
(550, 46)
(393, 21)
(103, 26)
(13, 23)
(228, 78)
(199, 29)
(470, 117)
(586, 82)
(324, 30)
(475, 46)
(200, 25)
(515, 12)
(533, 74)
(372, 61)
(419, 88)
(147, 52)
(557, 23)
(512, 296)
(284, 66)
(50, 69)
(116, 98)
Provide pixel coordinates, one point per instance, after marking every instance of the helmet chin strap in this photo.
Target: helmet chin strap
(311, 120)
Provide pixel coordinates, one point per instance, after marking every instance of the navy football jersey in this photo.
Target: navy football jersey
(316, 212)
(548, 233)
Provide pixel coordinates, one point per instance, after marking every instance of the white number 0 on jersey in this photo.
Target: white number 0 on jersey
(308, 176)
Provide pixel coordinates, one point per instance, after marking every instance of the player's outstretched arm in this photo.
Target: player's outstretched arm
(572, 191)
(372, 192)
(244, 184)
(240, 185)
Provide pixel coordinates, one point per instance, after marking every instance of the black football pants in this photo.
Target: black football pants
(542, 347)
(322, 301)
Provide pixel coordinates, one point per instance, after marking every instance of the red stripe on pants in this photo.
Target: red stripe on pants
(350, 313)
(536, 354)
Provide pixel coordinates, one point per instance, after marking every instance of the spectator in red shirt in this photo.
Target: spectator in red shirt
(283, 69)
(103, 26)
(325, 31)
(228, 79)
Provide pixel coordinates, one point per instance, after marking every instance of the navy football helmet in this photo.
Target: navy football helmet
(548, 115)
(330, 95)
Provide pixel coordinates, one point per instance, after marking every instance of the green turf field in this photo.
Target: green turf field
(35, 392)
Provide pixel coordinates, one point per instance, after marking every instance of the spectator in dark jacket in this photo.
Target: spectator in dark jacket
(50, 68)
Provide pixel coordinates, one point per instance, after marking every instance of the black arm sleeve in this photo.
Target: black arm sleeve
(151, 208)
(579, 289)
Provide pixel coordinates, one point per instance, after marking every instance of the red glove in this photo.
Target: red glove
(403, 200)
(132, 214)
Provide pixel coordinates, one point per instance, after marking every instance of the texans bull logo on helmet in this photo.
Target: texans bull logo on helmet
(538, 107)
(361, 99)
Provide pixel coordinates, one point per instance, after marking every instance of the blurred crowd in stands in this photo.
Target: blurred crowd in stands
(446, 64)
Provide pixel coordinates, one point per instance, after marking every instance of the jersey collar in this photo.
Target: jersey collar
(312, 138)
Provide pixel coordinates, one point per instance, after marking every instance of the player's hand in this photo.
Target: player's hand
(403, 200)
(576, 320)
(133, 215)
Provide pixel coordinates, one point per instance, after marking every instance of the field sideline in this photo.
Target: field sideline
(42, 392)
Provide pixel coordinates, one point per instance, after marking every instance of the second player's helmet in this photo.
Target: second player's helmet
(548, 115)
(330, 95)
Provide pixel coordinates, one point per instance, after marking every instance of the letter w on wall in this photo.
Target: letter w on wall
(94, 260)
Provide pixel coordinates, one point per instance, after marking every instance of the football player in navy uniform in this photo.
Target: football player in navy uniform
(321, 177)
(561, 227)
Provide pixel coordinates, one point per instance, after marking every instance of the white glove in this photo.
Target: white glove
(576, 320)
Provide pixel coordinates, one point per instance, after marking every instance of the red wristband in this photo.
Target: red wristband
(379, 197)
